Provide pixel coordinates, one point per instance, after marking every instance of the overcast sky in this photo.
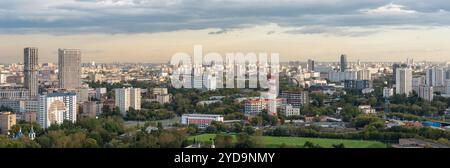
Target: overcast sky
(153, 30)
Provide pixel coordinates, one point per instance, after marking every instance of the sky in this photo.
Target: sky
(154, 30)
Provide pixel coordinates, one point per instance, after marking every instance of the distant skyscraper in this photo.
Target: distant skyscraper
(403, 82)
(56, 107)
(311, 65)
(435, 76)
(30, 60)
(128, 97)
(69, 64)
(343, 63)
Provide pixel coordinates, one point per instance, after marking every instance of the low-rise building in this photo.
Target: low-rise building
(288, 111)
(208, 102)
(7, 120)
(366, 109)
(163, 98)
(255, 107)
(201, 120)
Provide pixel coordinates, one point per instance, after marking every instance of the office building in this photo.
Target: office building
(30, 71)
(54, 108)
(311, 65)
(69, 64)
(344, 63)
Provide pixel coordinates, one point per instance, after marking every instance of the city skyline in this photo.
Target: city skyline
(152, 31)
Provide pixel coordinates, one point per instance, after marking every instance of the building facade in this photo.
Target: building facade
(69, 66)
(357, 84)
(201, 120)
(403, 82)
(128, 97)
(426, 93)
(7, 120)
(344, 63)
(435, 76)
(56, 107)
(296, 99)
(30, 71)
(255, 107)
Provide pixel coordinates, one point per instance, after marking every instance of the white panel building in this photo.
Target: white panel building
(56, 107)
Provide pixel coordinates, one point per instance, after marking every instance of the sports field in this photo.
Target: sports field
(274, 142)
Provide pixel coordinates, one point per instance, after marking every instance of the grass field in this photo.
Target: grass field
(274, 142)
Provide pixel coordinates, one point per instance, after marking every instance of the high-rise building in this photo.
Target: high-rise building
(122, 99)
(30, 60)
(364, 75)
(426, 93)
(435, 76)
(69, 64)
(311, 65)
(135, 98)
(7, 120)
(394, 70)
(403, 81)
(344, 63)
(417, 81)
(128, 97)
(54, 108)
(89, 109)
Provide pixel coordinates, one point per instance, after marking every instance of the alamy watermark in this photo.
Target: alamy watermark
(231, 71)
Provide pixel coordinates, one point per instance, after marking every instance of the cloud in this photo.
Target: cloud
(271, 32)
(333, 31)
(390, 9)
(223, 31)
(150, 16)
